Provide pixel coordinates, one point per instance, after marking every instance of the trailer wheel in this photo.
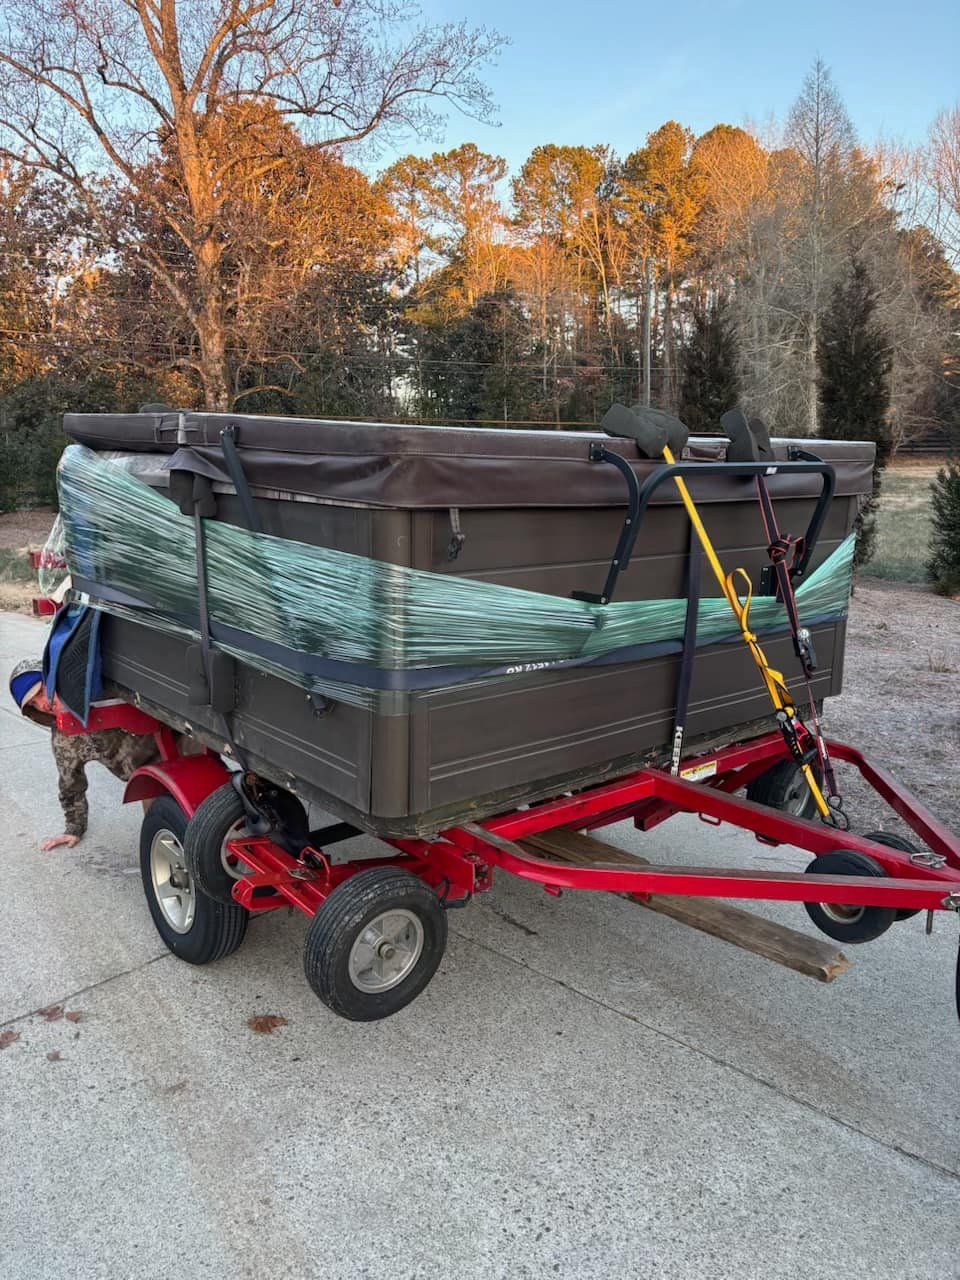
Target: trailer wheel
(375, 943)
(848, 923)
(194, 926)
(217, 818)
(893, 841)
(784, 787)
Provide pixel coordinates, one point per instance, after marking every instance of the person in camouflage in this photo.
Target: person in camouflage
(115, 749)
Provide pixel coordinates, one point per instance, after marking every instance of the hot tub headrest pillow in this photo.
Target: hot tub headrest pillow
(749, 437)
(652, 429)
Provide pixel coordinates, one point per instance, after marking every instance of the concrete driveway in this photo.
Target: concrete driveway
(585, 1089)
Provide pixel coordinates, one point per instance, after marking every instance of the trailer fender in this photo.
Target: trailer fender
(188, 779)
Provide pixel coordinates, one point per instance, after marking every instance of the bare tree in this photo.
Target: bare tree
(94, 90)
(819, 130)
(943, 177)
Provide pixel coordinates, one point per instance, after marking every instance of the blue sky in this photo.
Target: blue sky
(611, 71)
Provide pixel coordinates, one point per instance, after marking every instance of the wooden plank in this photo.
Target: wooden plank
(810, 956)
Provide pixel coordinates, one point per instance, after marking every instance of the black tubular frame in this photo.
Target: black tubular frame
(800, 462)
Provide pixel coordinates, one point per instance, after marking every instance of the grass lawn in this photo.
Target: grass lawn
(15, 567)
(18, 581)
(903, 523)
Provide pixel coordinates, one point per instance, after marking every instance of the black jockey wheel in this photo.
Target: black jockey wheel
(375, 943)
(893, 841)
(848, 923)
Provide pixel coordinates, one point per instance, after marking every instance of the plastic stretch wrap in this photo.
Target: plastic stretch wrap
(350, 627)
(53, 565)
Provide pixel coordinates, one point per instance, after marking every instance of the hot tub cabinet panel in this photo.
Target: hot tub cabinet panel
(536, 514)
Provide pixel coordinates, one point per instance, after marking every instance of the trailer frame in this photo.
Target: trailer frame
(459, 862)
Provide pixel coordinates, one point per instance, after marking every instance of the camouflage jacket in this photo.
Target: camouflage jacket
(115, 749)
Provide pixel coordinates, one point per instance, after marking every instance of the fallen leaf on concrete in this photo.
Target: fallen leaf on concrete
(54, 1056)
(264, 1024)
(8, 1038)
(51, 1013)
(73, 1015)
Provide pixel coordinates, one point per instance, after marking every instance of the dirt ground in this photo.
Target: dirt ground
(20, 532)
(15, 598)
(901, 699)
(25, 528)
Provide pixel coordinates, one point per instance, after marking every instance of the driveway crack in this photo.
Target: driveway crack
(719, 1061)
(82, 991)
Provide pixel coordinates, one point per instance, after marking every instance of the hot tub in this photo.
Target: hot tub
(530, 511)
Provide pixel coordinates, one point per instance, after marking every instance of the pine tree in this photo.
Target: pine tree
(8, 471)
(854, 363)
(709, 384)
(476, 367)
(943, 567)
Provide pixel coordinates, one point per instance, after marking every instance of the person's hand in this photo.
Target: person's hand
(54, 842)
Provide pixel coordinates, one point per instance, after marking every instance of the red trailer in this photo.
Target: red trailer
(220, 844)
(210, 859)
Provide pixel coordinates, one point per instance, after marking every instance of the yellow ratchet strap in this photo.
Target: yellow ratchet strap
(775, 683)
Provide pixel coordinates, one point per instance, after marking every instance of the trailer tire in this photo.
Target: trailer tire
(853, 923)
(194, 926)
(215, 819)
(784, 787)
(375, 943)
(893, 841)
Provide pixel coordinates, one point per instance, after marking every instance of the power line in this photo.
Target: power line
(411, 361)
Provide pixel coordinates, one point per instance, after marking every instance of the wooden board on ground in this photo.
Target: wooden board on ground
(814, 957)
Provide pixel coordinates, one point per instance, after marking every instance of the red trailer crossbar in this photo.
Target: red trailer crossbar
(458, 861)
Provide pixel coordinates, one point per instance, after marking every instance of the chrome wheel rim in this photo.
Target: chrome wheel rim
(797, 797)
(842, 913)
(232, 863)
(385, 951)
(172, 884)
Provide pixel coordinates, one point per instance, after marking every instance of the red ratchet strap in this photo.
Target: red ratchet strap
(785, 554)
